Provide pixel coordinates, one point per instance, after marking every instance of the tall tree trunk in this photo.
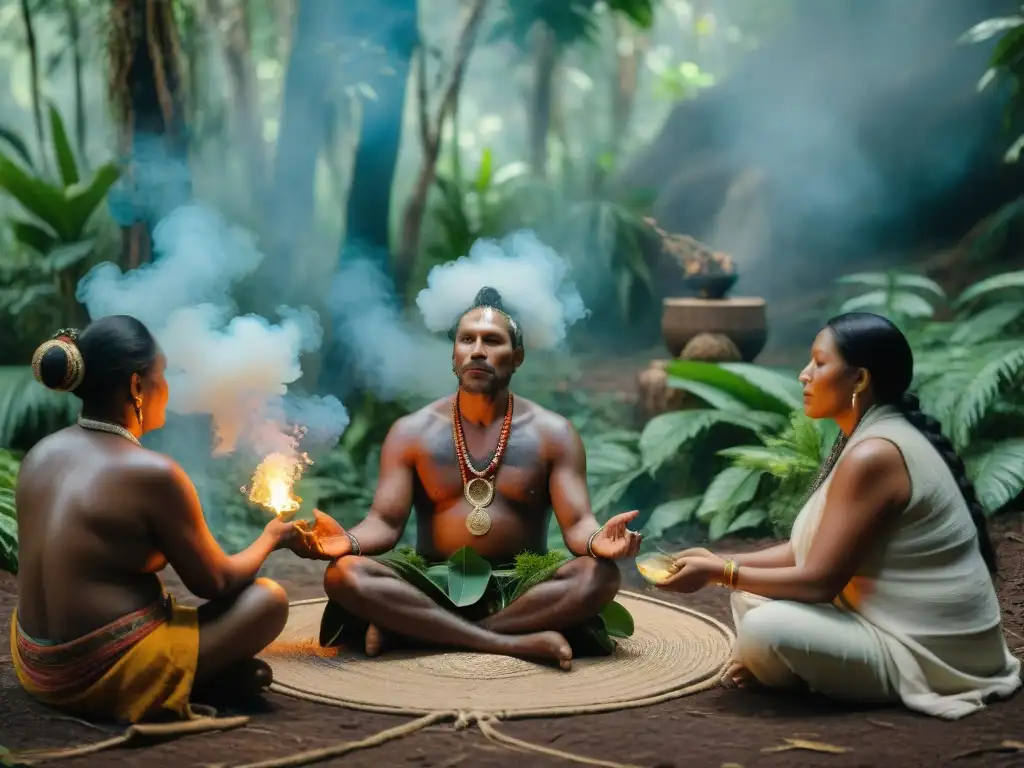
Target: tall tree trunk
(389, 34)
(545, 61)
(230, 19)
(147, 94)
(412, 218)
(33, 59)
(313, 61)
(75, 35)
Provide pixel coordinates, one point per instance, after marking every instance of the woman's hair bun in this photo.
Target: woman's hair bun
(57, 363)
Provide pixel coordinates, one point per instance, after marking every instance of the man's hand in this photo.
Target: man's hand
(615, 541)
(326, 540)
(693, 572)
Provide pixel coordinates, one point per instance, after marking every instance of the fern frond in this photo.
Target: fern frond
(997, 471)
(28, 410)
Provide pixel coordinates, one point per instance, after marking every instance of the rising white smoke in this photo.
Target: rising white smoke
(533, 280)
(236, 369)
(394, 356)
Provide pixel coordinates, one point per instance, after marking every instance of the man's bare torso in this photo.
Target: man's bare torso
(86, 554)
(521, 508)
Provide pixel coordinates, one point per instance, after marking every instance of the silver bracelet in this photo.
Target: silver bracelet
(356, 549)
(590, 542)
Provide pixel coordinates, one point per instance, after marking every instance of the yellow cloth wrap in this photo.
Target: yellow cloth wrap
(152, 677)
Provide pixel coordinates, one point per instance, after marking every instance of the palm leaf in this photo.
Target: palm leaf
(997, 471)
(759, 388)
(28, 410)
(62, 149)
(776, 461)
(986, 325)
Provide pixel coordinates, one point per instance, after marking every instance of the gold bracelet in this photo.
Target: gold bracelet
(730, 573)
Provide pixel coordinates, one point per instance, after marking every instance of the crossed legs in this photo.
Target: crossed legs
(529, 628)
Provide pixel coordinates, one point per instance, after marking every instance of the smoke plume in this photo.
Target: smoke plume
(394, 356)
(531, 277)
(236, 369)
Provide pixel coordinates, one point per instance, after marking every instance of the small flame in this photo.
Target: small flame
(273, 481)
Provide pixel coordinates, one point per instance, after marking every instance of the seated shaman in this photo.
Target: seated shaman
(483, 471)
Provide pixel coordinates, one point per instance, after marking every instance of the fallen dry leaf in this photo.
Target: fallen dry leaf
(1008, 746)
(809, 746)
(880, 723)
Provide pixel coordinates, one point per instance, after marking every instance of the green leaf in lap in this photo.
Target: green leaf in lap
(468, 576)
(617, 620)
(438, 574)
(730, 489)
(62, 149)
(670, 514)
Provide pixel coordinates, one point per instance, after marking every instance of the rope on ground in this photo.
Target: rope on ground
(486, 723)
(132, 734)
(337, 750)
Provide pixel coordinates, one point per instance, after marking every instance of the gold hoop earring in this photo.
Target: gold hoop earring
(138, 409)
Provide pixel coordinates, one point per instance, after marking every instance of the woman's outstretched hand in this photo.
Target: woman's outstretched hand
(691, 573)
(281, 532)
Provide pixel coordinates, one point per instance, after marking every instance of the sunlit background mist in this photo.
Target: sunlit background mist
(294, 170)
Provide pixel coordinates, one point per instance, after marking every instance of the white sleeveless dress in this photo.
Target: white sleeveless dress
(923, 599)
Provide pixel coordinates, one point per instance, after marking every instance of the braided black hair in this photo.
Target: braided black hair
(872, 342)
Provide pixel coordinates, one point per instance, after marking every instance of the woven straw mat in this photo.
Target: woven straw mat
(673, 651)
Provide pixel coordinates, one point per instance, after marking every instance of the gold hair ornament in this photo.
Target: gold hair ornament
(65, 339)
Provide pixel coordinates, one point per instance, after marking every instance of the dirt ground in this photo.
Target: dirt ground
(713, 729)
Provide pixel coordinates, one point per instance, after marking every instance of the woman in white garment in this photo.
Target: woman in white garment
(884, 592)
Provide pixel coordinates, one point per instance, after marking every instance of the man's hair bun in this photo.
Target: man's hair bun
(57, 363)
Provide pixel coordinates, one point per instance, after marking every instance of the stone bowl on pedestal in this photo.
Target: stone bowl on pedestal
(743, 320)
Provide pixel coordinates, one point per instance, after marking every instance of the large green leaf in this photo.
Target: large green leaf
(62, 149)
(748, 519)
(667, 433)
(712, 395)
(985, 30)
(728, 491)
(617, 620)
(893, 280)
(66, 256)
(17, 144)
(34, 236)
(83, 204)
(1000, 282)
(8, 544)
(28, 410)
(468, 577)
(759, 388)
(40, 199)
(997, 471)
(897, 301)
(670, 514)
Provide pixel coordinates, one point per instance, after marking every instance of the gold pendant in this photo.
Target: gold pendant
(479, 522)
(479, 492)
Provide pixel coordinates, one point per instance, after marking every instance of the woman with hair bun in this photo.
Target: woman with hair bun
(884, 592)
(99, 516)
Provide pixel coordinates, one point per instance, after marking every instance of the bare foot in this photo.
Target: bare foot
(551, 646)
(376, 641)
(739, 676)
